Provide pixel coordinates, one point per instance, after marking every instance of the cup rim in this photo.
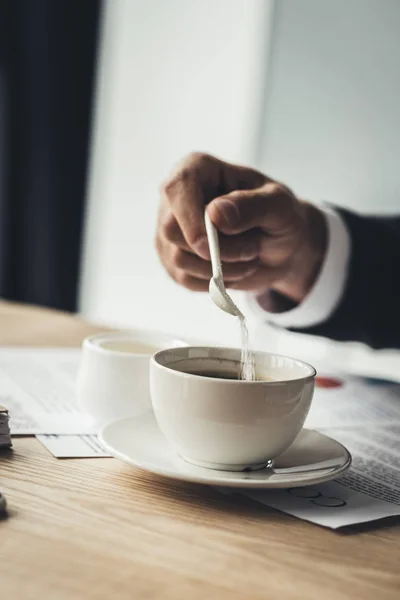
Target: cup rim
(306, 378)
(127, 335)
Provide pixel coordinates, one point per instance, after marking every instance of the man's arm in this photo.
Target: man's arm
(365, 305)
(369, 310)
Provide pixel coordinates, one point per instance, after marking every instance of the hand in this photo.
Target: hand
(269, 239)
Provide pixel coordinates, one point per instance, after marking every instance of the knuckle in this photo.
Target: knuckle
(184, 173)
(282, 192)
(237, 195)
(178, 257)
(198, 158)
(165, 184)
(276, 189)
(168, 186)
(169, 228)
(284, 201)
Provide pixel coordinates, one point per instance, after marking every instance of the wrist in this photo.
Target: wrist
(303, 267)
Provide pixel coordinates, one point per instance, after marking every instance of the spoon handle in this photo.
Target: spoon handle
(213, 242)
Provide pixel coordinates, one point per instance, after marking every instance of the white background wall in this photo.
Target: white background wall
(175, 76)
(185, 74)
(332, 121)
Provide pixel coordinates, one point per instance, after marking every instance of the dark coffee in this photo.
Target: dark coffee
(218, 374)
(226, 375)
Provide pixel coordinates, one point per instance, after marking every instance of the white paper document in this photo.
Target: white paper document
(366, 419)
(38, 386)
(73, 446)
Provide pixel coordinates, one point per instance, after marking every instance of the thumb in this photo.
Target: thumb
(272, 208)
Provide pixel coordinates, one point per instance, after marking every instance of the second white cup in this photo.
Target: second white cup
(113, 380)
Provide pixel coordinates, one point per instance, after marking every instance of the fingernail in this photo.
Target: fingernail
(229, 213)
(234, 286)
(250, 271)
(201, 247)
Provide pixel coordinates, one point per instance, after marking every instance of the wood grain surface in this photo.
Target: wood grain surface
(99, 529)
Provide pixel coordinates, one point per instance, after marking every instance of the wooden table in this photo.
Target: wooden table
(99, 529)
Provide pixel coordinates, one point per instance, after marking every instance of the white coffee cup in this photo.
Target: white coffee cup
(229, 424)
(113, 380)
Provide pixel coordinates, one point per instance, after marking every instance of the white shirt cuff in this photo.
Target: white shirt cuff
(327, 291)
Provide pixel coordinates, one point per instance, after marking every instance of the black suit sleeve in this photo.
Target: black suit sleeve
(369, 310)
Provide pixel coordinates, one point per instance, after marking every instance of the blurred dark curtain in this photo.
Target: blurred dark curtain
(48, 52)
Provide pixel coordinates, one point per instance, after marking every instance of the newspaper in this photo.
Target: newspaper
(38, 388)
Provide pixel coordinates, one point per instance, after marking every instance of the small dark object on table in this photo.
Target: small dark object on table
(5, 435)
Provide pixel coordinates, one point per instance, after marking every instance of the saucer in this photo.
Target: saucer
(312, 458)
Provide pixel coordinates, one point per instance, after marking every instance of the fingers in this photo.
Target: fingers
(238, 248)
(191, 283)
(201, 269)
(194, 273)
(273, 208)
(183, 265)
(196, 181)
(169, 229)
(187, 194)
(187, 203)
(260, 279)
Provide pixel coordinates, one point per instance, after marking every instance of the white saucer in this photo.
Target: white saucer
(312, 458)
